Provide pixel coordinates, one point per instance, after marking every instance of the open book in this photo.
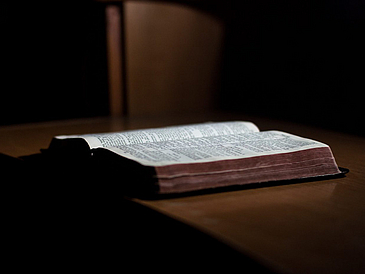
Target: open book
(200, 156)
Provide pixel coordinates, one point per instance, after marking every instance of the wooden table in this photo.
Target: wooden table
(313, 227)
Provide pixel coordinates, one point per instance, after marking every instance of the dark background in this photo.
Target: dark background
(54, 62)
(296, 60)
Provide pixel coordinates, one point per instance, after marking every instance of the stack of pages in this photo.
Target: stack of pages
(201, 156)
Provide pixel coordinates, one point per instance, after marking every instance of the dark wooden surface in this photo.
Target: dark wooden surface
(312, 227)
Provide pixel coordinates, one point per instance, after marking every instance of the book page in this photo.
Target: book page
(214, 148)
(131, 137)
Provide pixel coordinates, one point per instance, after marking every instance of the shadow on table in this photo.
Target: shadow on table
(56, 219)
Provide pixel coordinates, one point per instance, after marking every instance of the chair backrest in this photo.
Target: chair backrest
(171, 56)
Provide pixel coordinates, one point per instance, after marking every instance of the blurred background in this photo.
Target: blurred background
(301, 61)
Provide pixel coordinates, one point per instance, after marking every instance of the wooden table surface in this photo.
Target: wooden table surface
(312, 227)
